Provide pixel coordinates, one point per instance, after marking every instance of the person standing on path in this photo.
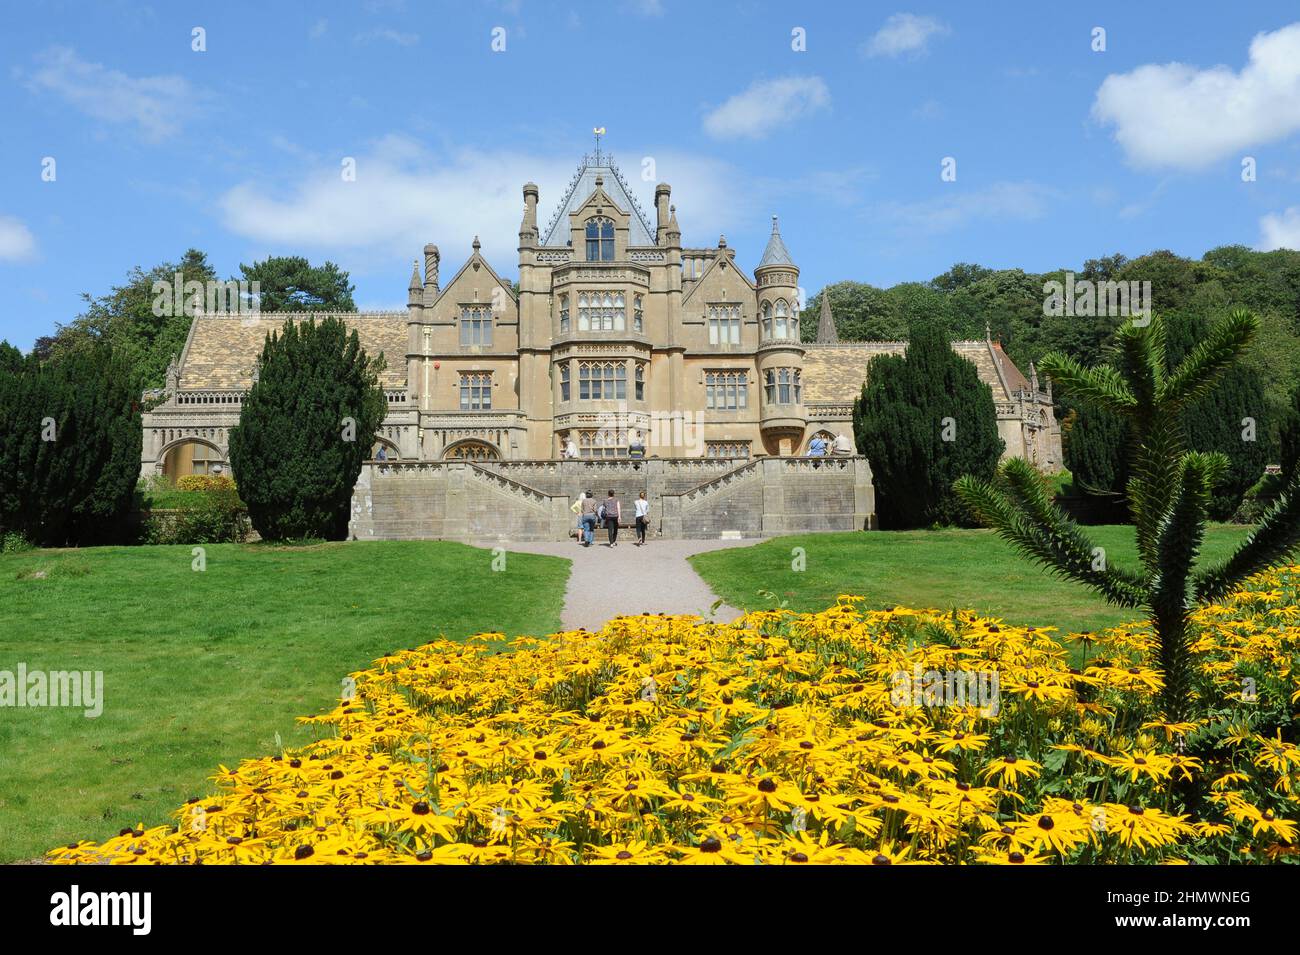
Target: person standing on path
(642, 518)
(612, 514)
(588, 519)
(576, 508)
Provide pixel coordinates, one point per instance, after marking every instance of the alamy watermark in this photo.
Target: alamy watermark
(78, 689)
(179, 297)
(1087, 298)
(978, 688)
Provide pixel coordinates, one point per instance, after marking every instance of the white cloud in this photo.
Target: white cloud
(1175, 115)
(387, 35)
(1017, 201)
(158, 105)
(904, 33)
(405, 195)
(766, 105)
(1280, 230)
(318, 29)
(16, 240)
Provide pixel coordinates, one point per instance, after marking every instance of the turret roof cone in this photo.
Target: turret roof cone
(776, 252)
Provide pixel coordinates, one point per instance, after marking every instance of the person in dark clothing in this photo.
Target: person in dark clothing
(642, 518)
(612, 514)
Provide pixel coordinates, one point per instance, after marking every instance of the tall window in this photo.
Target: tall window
(602, 380)
(476, 325)
(640, 381)
(781, 327)
(726, 390)
(564, 314)
(565, 374)
(783, 386)
(600, 240)
(767, 320)
(602, 311)
(724, 324)
(475, 391)
(638, 314)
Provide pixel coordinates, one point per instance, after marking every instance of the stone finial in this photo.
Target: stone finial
(415, 289)
(476, 245)
(988, 333)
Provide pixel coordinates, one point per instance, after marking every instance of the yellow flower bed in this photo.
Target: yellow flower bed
(779, 739)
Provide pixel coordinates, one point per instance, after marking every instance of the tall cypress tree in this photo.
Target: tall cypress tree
(923, 420)
(306, 426)
(70, 439)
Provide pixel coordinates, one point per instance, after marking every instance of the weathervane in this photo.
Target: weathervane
(599, 131)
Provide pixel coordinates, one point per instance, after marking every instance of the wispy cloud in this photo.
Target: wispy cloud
(16, 241)
(1175, 115)
(767, 105)
(158, 105)
(1280, 230)
(318, 29)
(904, 33)
(999, 201)
(387, 35)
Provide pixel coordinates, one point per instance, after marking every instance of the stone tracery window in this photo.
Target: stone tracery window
(565, 374)
(726, 449)
(564, 314)
(475, 325)
(475, 391)
(602, 380)
(472, 451)
(602, 443)
(783, 386)
(600, 239)
(603, 311)
(726, 390)
(638, 314)
(724, 324)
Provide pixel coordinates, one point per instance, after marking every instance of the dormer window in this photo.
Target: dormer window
(600, 240)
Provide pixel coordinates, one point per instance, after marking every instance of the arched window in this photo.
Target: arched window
(564, 314)
(767, 320)
(565, 375)
(781, 328)
(600, 240)
(471, 451)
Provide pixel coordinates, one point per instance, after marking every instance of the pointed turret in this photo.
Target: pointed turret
(415, 289)
(674, 232)
(776, 252)
(825, 322)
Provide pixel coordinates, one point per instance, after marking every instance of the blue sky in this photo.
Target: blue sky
(1062, 152)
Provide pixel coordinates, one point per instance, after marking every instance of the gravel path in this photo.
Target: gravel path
(606, 582)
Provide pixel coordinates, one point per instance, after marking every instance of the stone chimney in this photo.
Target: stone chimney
(663, 192)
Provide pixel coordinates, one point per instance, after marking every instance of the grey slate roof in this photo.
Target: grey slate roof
(580, 190)
(776, 252)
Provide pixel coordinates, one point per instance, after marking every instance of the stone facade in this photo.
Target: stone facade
(616, 330)
(486, 501)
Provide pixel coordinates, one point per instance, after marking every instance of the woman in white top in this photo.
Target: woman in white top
(642, 518)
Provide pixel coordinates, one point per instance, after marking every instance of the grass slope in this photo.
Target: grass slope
(941, 569)
(206, 668)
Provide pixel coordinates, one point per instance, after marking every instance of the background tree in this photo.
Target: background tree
(70, 440)
(129, 320)
(1169, 494)
(289, 283)
(909, 405)
(294, 454)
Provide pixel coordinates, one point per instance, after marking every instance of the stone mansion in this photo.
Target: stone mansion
(616, 329)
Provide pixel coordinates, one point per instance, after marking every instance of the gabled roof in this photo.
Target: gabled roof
(580, 190)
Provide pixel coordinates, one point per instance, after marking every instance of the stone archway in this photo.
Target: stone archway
(190, 455)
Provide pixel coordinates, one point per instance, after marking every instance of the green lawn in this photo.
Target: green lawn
(944, 569)
(206, 668)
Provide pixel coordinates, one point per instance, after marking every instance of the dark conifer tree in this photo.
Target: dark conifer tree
(306, 426)
(923, 420)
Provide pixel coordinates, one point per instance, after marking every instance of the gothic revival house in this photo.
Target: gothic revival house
(617, 332)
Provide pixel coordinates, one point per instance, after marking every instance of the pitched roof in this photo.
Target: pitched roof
(835, 373)
(223, 349)
(580, 190)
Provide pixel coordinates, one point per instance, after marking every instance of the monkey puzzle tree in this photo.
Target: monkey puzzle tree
(1169, 491)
